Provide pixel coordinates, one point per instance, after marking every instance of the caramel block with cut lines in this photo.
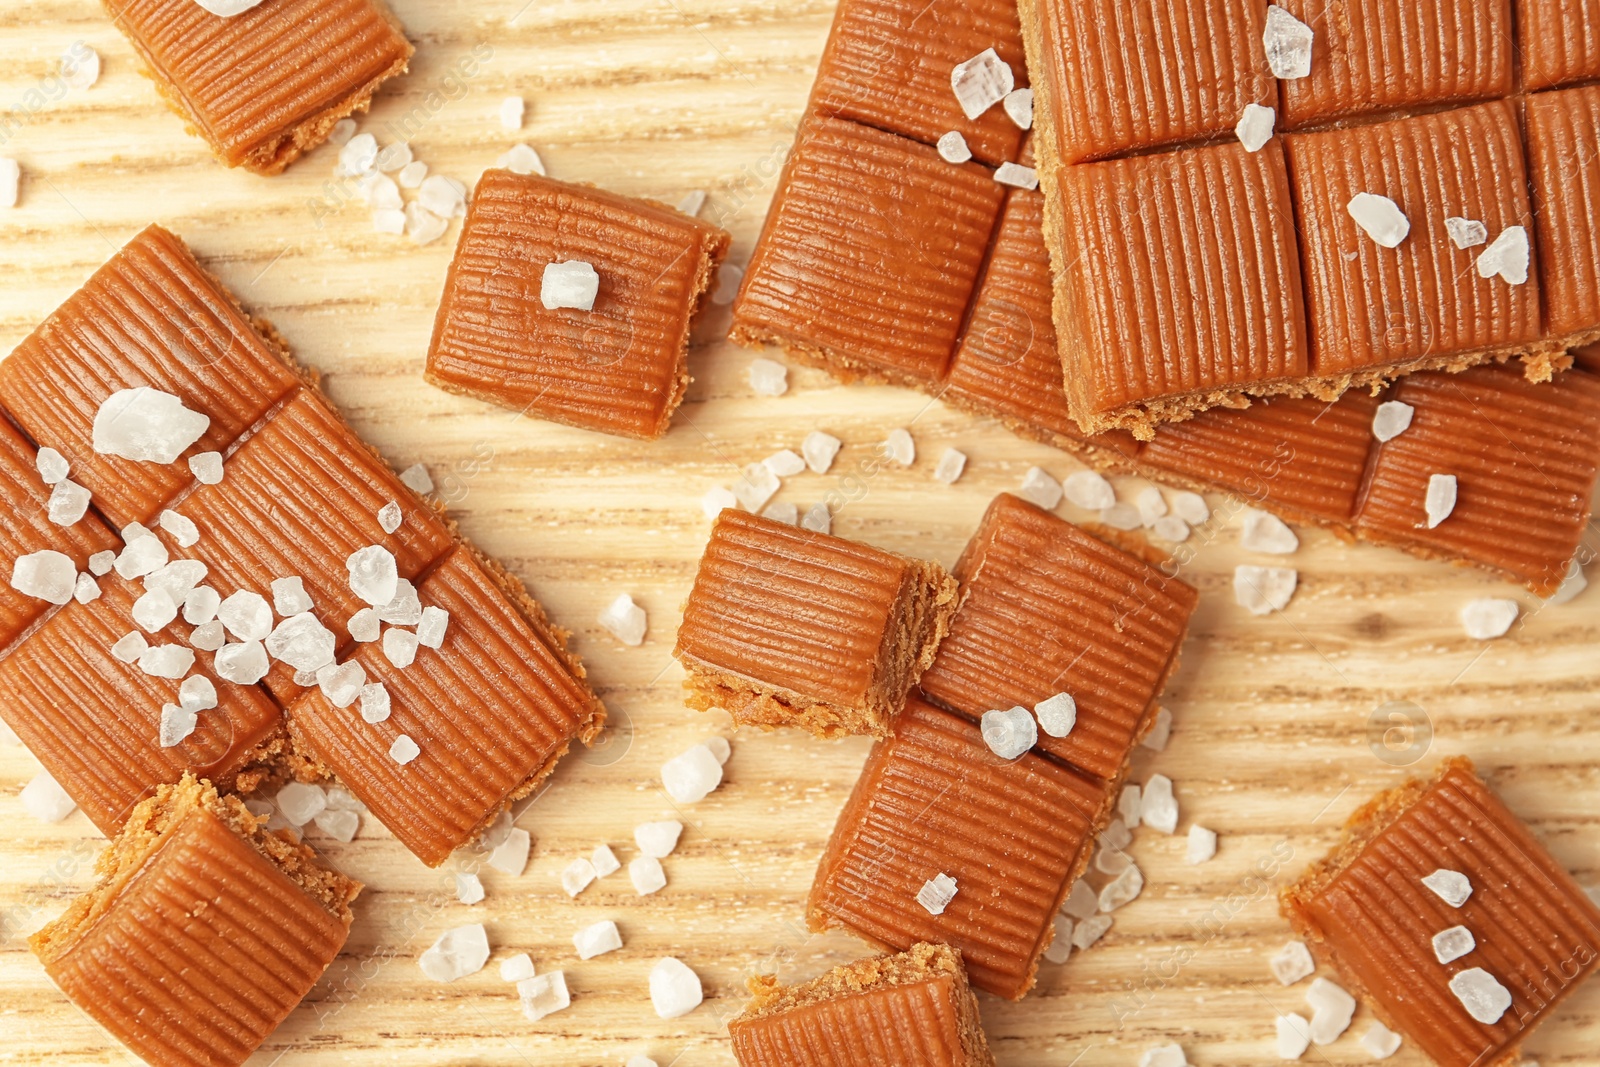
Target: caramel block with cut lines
(1559, 41)
(789, 627)
(266, 85)
(1564, 164)
(1536, 935)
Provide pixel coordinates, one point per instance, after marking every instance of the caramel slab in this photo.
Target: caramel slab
(491, 711)
(1559, 41)
(1564, 162)
(266, 85)
(933, 799)
(1365, 906)
(619, 368)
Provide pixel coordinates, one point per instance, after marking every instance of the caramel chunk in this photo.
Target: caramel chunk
(1523, 456)
(1048, 609)
(1179, 283)
(869, 255)
(203, 933)
(933, 799)
(789, 627)
(913, 1008)
(1421, 303)
(1374, 56)
(490, 710)
(1564, 158)
(888, 64)
(619, 366)
(266, 85)
(1396, 881)
(1559, 41)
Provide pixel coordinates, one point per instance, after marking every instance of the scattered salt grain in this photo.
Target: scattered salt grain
(604, 860)
(10, 181)
(1017, 176)
(129, 647)
(1452, 887)
(406, 607)
(1265, 532)
(953, 148)
(570, 284)
(397, 156)
(1191, 507)
(981, 82)
(373, 574)
(1123, 889)
(177, 723)
(597, 939)
(719, 747)
(1380, 1042)
(342, 131)
(68, 502)
(657, 839)
(692, 202)
(1019, 108)
(177, 578)
(674, 988)
(785, 464)
(1151, 504)
(417, 479)
(1485, 999)
(690, 776)
(300, 802)
(1441, 498)
(101, 562)
(141, 556)
(544, 995)
(1332, 1010)
(1089, 490)
(1202, 844)
(1121, 516)
(197, 693)
(357, 156)
(716, 499)
(625, 620)
(383, 194)
(404, 750)
(433, 625)
(243, 664)
(576, 876)
(469, 888)
(52, 465)
(1090, 930)
(1170, 528)
(1288, 44)
(289, 597)
(400, 647)
(518, 968)
(819, 450)
(374, 700)
(512, 109)
(1571, 585)
(1160, 731)
(1392, 419)
(458, 953)
(45, 800)
(80, 67)
(1453, 943)
(341, 683)
(1254, 128)
(247, 616)
(511, 855)
(391, 221)
(1159, 807)
(1164, 1056)
(442, 196)
(1082, 902)
(45, 575)
(937, 893)
(412, 174)
(1060, 948)
(950, 466)
(1263, 590)
(87, 590)
(520, 159)
(646, 875)
(364, 626)
(181, 527)
(781, 512)
(899, 447)
(1465, 233)
(339, 825)
(389, 517)
(1057, 715)
(423, 226)
(818, 519)
(1129, 807)
(755, 486)
(1294, 1036)
(1507, 256)
(1009, 733)
(166, 661)
(1380, 218)
(206, 467)
(768, 377)
(1041, 489)
(302, 642)
(729, 278)
(1487, 618)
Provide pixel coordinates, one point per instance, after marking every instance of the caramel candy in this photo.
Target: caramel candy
(1368, 908)
(1423, 303)
(95, 721)
(491, 711)
(1559, 42)
(1373, 56)
(1524, 460)
(1048, 609)
(869, 255)
(620, 367)
(911, 1008)
(1564, 160)
(933, 799)
(888, 64)
(266, 85)
(151, 316)
(1179, 283)
(203, 933)
(789, 627)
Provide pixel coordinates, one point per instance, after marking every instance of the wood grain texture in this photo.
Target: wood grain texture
(650, 97)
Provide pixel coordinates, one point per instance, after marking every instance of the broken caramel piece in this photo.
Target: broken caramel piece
(914, 1007)
(869, 255)
(1563, 130)
(203, 933)
(1524, 459)
(1558, 42)
(268, 84)
(490, 711)
(503, 335)
(151, 316)
(1372, 908)
(789, 627)
(932, 799)
(1046, 608)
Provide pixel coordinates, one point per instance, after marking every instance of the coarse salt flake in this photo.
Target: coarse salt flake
(1088, 931)
(206, 467)
(1057, 714)
(289, 596)
(1254, 128)
(80, 66)
(756, 485)
(166, 661)
(512, 109)
(1452, 887)
(768, 377)
(1440, 500)
(625, 620)
(1191, 507)
(1392, 419)
(1481, 993)
(1170, 528)
(544, 995)
(1158, 807)
(45, 800)
(1487, 618)
(1291, 963)
(469, 888)
(51, 465)
(899, 447)
(572, 283)
(690, 776)
(146, 425)
(1164, 1056)
(1333, 1008)
(400, 647)
(341, 132)
(389, 517)
(1089, 490)
(674, 989)
(1019, 108)
(1465, 233)
(300, 802)
(1380, 1042)
(1009, 733)
(597, 939)
(576, 876)
(657, 839)
(87, 590)
(1294, 1036)
(457, 953)
(953, 147)
(1202, 844)
(1507, 256)
(1017, 176)
(519, 159)
(605, 861)
(246, 615)
(374, 700)
(177, 723)
(129, 647)
(511, 855)
(1123, 889)
(692, 202)
(819, 450)
(244, 663)
(197, 693)
(729, 278)
(950, 466)
(302, 642)
(785, 464)
(1263, 590)
(1288, 44)
(46, 575)
(417, 479)
(981, 82)
(341, 683)
(1380, 218)
(1265, 532)
(1121, 516)
(68, 502)
(817, 518)
(518, 968)
(937, 893)
(1452, 944)
(404, 750)
(432, 627)
(374, 576)
(1041, 489)
(646, 875)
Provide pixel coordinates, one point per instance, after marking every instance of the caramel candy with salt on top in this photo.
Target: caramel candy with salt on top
(1046, 608)
(913, 1009)
(869, 255)
(619, 368)
(95, 722)
(203, 933)
(933, 799)
(789, 627)
(1559, 41)
(266, 85)
(1525, 461)
(888, 64)
(491, 710)
(1365, 906)
(1563, 130)
(151, 316)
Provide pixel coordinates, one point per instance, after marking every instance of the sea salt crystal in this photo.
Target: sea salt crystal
(394, 157)
(404, 750)
(1017, 176)
(80, 67)
(300, 802)
(289, 596)
(206, 467)
(674, 988)
(597, 939)
(511, 112)
(519, 159)
(364, 626)
(646, 875)
(817, 518)
(953, 147)
(417, 479)
(785, 464)
(1089, 490)
(357, 156)
(469, 888)
(1121, 516)
(1487, 618)
(692, 202)
(1191, 507)
(1082, 901)
(181, 527)
(937, 893)
(86, 590)
(576, 876)
(1465, 233)
(511, 855)
(391, 221)
(1164, 1056)
(1151, 505)
(657, 839)
(899, 447)
(604, 860)
(981, 82)
(1392, 419)
(197, 693)
(177, 723)
(716, 500)
(690, 776)
(1060, 948)
(1333, 1008)
(166, 661)
(400, 647)
(389, 517)
(341, 683)
(68, 502)
(1057, 714)
(950, 466)
(442, 196)
(177, 578)
(1019, 108)
(1288, 44)
(141, 556)
(1202, 844)
(52, 465)
(1160, 731)
(243, 664)
(1086, 932)
(1254, 128)
(1453, 943)
(1481, 993)
(147, 425)
(412, 174)
(130, 647)
(1170, 528)
(1441, 498)
(1123, 889)
(625, 620)
(518, 968)
(247, 616)
(422, 225)
(1452, 887)
(373, 574)
(544, 995)
(1263, 590)
(1507, 256)
(339, 825)
(1380, 1042)
(1571, 585)
(1380, 218)
(432, 627)
(1265, 532)
(459, 952)
(383, 194)
(819, 450)
(101, 562)
(755, 487)
(341, 132)
(374, 700)
(1041, 489)
(1009, 733)
(1116, 835)
(1159, 807)
(573, 283)
(341, 799)
(406, 607)
(302, 642)
(45, 800)
(729, 277)
(45, 575)
(1294, 1036)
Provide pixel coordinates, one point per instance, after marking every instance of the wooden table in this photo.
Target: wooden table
(659, 97)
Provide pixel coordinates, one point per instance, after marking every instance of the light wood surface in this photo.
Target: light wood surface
(659, 97)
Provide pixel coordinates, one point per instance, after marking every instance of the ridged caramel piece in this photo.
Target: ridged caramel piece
(869, 255)
(620, 368)
(1525, 462)
(1111, 76)
(1421, 303)
(1365, 905)
(492, 710)
(296, 499)
(1178, 281)
(1301, 458)
(1374, 56)
(1006, 364)
(203, 934)
(1559, 41)
(1047, 608)
(95, 722)
(934, 799)
(888, 64)
(914, 1009)
(25, 527)
(265, 85)
(789, 627)
(151, 316)
(1564, 159)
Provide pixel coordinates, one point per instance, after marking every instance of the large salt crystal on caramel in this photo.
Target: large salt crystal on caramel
(572, 284)
(1441, 498)
(1288, 43)
(373, 575)
(244, 663)
(47, 574)
(146, 424)
(1481, 993)
(1009, 733)
(1380, 218)
(981, 82)
(302, 642)
(1507, 256)
(1255, 126)
(246, 615)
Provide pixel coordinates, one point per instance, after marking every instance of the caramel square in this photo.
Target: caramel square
(1559, 41)
(1564, 161)
(621, 367)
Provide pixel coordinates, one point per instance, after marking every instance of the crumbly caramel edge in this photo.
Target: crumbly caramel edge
(752, 703)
